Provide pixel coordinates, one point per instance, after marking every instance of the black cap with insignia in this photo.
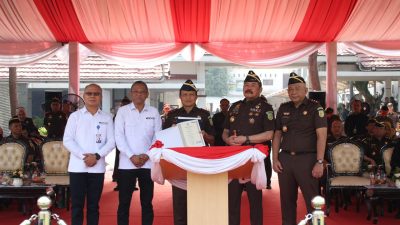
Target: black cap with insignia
(188, 86)
(379, 124)
(55, 100)
(294, 78)
(252, 77)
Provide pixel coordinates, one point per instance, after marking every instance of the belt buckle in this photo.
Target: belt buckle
(292, 153)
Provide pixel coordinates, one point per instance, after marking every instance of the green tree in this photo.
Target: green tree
(374, 100)
(217, 82)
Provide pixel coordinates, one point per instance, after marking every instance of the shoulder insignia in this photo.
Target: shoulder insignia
(270, 115)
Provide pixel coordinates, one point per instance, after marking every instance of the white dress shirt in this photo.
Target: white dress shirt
(135, 133)
(87, 133)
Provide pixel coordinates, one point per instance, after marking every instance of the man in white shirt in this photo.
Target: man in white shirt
(89, 137)
(135, 128)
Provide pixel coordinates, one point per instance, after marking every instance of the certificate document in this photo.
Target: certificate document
(191, 133)
(184, 134)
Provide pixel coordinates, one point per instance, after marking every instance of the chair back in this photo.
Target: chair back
(386, 153)
(55, 158)
(12, 157)
(346, 158)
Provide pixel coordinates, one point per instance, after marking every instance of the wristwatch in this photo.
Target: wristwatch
(320, 161)
(97, 156)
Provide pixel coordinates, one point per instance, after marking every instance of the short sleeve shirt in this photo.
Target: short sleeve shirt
(298, 125)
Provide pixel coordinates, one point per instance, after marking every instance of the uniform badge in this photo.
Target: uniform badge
(48, 124)
(258, 106)
(270, 115)
(284, 129)
(251, 121)
(286, 113)
(321, 112)
(232, 119)
(60, 117)
(373, 153)
(251, 114)
(305, 113)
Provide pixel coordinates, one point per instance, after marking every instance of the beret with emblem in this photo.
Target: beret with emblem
(188, 86)
(294, 79)
(252, 77)
(379, 124)
(55, 100)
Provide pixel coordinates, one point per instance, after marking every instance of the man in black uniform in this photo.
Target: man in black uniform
(55, 121)
(356, 122)
(27, 122)
(218, 121)
(373, 146)
(301, 130)
(188, 96)
(32, 154)
(250, 121)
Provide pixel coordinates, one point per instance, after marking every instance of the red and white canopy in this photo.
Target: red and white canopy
(250, 32)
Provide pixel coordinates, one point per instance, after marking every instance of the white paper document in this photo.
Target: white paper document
(184, 134)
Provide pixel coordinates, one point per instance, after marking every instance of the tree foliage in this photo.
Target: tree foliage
(374, 100)
(217, 82)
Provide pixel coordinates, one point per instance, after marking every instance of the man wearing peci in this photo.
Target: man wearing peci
(301, 130)
(249, 121)
(89, 137)
(188, 96)
(135, 128)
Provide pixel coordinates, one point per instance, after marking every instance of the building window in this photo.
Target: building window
(268, 82)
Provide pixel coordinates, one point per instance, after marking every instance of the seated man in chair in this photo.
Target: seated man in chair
(32, 154)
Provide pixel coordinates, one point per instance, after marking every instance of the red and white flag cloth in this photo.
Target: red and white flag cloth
(209, 160)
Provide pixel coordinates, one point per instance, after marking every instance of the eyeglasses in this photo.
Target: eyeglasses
(92, 93)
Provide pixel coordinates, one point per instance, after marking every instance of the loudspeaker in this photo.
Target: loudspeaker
(318, 96)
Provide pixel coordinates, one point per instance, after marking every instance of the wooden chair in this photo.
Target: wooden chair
(55, 160)
(344, 172)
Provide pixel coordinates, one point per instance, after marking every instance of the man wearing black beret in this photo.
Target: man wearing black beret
(249, 122)
(188, 96)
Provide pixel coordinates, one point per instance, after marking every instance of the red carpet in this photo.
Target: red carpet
(163, 209)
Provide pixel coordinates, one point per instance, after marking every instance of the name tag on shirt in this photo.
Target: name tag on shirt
(150, 118)
(105, 123)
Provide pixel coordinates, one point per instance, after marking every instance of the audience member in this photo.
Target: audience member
(55, 121)
(356, 122)
(218, 121)
(383, 115)
(27, 122)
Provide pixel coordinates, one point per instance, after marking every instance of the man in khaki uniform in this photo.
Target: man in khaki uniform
(301, 130)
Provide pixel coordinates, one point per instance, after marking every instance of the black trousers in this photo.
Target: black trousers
(179, 202)
(255, 201)
(126, 184)
(296, 173)
(268, 168)
(89, 186)
(116, 165)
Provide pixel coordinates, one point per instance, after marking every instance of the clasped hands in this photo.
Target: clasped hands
(236, 140)
(89, 159)
(139, 160)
